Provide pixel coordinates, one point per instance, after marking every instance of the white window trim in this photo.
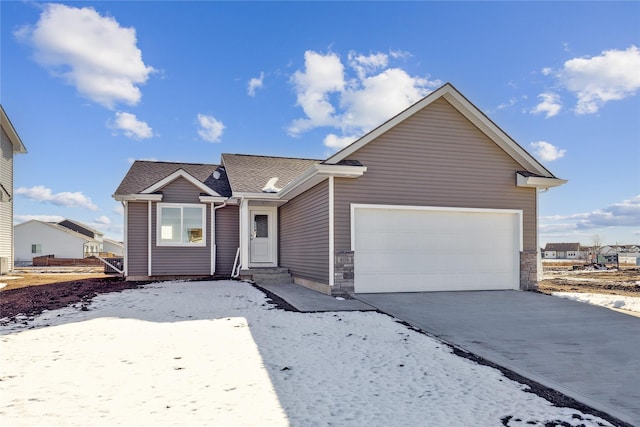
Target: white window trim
(159, 207)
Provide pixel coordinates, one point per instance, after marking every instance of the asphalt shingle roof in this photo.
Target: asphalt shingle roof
(562, 247)
(143, 174)
(249, 174)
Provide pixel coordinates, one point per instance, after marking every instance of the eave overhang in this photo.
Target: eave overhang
(138, 197)
(216, 199)
(14, 138)
(318, 173)
(538, 181)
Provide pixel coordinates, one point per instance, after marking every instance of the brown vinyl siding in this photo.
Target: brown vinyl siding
(180, 260)
(137, 232)
(434, 158)
(304, 234)
(227, 239)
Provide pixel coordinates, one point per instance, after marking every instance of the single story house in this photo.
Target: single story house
(64, 239)
(10, 144)
(436, 198)
(564, 251)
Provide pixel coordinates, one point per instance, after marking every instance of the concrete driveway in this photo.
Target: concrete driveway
(589, 353)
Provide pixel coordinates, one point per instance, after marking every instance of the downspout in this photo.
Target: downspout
(125, 266)
(332, 251)
(244, 235)
(213, 234)
(149, 247)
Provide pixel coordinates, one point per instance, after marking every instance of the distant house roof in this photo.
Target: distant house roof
(7, 127)
(80, 228)
(562, 247)
(144, 174)
(250, 174)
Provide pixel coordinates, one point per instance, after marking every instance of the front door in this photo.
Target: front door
(261, 246)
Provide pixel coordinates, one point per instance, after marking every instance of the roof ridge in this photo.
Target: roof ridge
(176, 163)
(271, 157)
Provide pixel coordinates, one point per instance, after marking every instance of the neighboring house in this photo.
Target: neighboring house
(10, 144)
(436, 198)
(65, 239)
(564, 251)
(112, 247)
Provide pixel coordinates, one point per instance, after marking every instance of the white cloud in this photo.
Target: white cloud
(550, 104)
(210, 128)
(546, 151)
(102, 220)
(547, 71)
(623, 214)
(91, 52)
(353, 99)
(365, 65)
(323, 75)
(41, 193)
(19, 219)
(338, 142)
(118, 209)
(613, 75)
(254, 84)
(131, 126)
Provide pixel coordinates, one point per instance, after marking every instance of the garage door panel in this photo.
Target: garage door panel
(411, 250)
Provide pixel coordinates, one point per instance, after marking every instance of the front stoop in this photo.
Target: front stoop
(268, 275)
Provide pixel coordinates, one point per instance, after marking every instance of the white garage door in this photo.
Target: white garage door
(415, 249)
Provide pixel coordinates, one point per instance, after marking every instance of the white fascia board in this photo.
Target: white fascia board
(212, 199)
(466, 108)
(180, 173)
(138, 197)
(318, 173)
(538, 181)
(491, 130)
(14, 138)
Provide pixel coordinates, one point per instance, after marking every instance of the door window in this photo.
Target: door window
(261, 225)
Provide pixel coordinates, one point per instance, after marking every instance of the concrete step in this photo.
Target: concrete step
(271, 275)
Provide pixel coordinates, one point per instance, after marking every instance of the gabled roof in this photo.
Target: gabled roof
(467, 109)
(562, 247)
(250, 174)
(144, 175)
(7, 127)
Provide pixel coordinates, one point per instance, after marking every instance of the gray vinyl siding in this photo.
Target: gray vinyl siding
(227, 239)
(137, 241)
(434, 158)
(6, 208)
(180, 260)
(304, 234)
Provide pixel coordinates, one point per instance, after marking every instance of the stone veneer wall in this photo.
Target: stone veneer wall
(343, 274)
(528, 270)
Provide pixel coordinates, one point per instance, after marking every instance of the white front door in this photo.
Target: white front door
(262, 237)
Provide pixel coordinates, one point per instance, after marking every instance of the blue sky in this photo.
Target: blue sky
(91, 86)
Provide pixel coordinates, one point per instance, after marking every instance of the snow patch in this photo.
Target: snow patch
(604, 300)
(218, 353)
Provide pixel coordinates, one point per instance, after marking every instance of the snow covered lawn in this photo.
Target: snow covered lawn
(217, 353)
(605, 300)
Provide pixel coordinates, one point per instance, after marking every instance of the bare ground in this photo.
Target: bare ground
(32, 293)
(625, 282)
